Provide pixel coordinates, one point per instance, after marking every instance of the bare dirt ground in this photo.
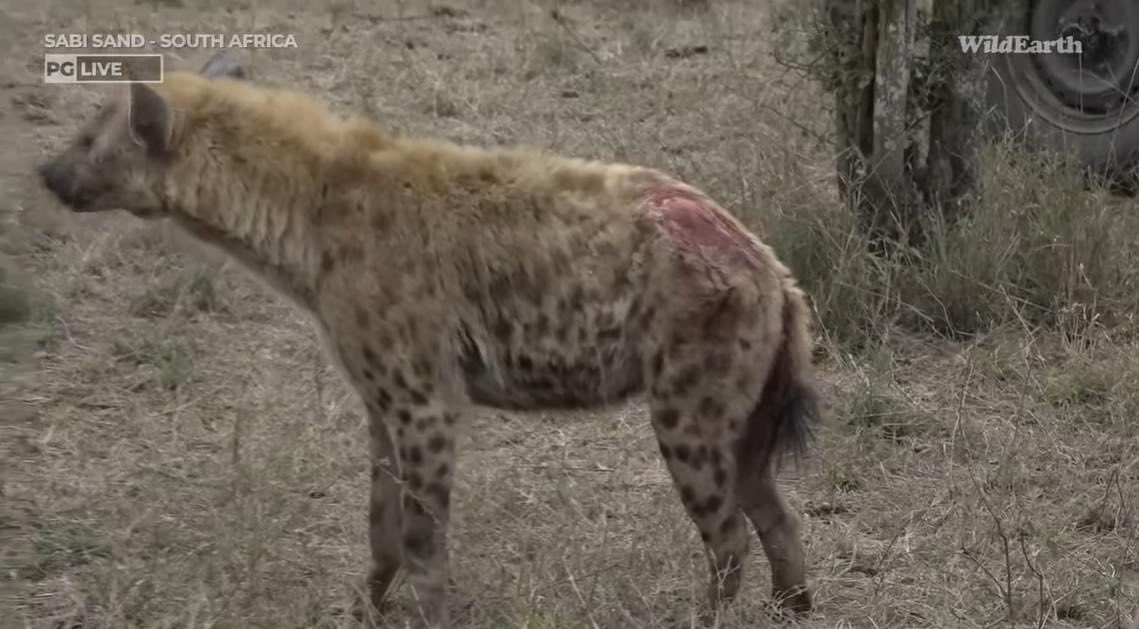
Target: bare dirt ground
(176, 453)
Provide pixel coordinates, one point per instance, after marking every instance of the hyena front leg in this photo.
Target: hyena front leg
(425, 437)
(385, 513)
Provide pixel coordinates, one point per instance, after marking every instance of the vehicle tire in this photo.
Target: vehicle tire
(1082, 105)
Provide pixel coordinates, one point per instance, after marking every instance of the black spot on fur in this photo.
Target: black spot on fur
(718, 362)
(729, 524)
(669, 418)
(437, 443)
(686, 379)
(380, 220)
(712, 504)
(665, 452)
(503, 287)
(370, 356)
(327, 262)
(417, 541)
(686, 494)
(683, 454)
(414, 480)
(417, 397)
(720, 477)
(503, 329)
(577, 299)
(440, 492)
(609, 334)
(414, 455)
(710, 408)
(383, 400)
(404, 416)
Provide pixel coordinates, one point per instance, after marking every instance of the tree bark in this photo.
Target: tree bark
(909, 106)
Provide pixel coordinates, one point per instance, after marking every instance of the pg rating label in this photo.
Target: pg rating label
(136, 68)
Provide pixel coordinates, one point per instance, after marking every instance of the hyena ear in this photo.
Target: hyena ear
(150, 119)
(223, 64)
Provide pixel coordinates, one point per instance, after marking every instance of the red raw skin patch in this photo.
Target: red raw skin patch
(696, 224)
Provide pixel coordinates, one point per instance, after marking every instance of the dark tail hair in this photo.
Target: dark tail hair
(783, 419)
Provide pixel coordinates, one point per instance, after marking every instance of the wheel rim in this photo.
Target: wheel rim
(1091, 92)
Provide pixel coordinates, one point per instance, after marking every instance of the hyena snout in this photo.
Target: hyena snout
(65, 183)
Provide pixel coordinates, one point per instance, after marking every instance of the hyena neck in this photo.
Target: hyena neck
(257, 216)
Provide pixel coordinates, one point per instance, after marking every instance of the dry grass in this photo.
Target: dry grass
(176, 452)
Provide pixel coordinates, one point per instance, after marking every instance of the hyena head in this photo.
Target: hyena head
(120, 158)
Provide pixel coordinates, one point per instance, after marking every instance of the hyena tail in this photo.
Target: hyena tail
(783, 419)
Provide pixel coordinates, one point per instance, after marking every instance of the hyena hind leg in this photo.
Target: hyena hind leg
(712, 431)
(696, 414)
(779, 532)
(704, 475)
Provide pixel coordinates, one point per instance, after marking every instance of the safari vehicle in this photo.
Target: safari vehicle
(1085, 105)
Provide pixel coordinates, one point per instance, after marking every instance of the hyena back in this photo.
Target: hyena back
(442, 277)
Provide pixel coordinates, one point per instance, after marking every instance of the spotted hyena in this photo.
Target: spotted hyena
(444, 276)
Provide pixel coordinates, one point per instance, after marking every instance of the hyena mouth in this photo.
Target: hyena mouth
(144, 212)
(76, 200)
(79, 202)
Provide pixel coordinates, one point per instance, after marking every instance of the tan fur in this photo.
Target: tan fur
(442, 276)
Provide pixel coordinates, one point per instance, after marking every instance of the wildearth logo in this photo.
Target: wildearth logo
(1019, 44)
(127, 68)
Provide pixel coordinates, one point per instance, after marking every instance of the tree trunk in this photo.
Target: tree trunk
(908, 103)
